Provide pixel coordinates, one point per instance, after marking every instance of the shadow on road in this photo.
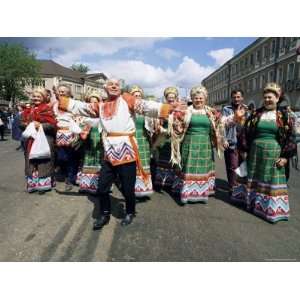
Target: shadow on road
(222, 194)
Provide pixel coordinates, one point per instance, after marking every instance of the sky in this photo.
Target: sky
(152, 63)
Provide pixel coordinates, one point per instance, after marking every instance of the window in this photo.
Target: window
(271, 76)
(291, 71)
(251, 59)
(265, 52)
(280, 75)
(293, 42)
(246, 63)
(257, 57)
(78, 89)
(273, 47)
(255, 84)
(262, 81)
(237, 68)
(282, 44)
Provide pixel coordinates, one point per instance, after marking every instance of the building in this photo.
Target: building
(53, 74)
(265, 60)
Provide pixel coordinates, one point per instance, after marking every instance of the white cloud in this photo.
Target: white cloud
(67, 51)
(221, 55)
(154, 79)
(167, 53)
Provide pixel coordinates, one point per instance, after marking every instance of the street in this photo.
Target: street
(57, 226)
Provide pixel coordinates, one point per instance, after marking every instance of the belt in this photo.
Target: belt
(131, 136)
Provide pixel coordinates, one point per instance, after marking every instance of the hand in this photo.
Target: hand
(244, 155)
(240, 112)
(281, 162)
(179, 106)
(225, 145)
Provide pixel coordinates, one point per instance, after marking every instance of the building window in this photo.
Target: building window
(262, 81)
(271, 76)
(251, 59)
(282, 44)
(293, 42)
(78, 89)
(291, 71)
(280, 75)
(273, 47)
(257, 57)
(255, 84)
(265, 52)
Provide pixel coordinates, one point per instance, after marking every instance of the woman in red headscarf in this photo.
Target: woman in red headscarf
(39, 172)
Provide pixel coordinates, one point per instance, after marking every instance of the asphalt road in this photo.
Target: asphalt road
(57, 226)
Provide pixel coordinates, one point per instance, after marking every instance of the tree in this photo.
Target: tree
(80, 68)
(18, 68)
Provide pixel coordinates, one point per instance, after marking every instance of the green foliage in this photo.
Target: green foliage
(18, 68)
(80, 68)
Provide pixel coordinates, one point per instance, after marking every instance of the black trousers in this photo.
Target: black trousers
(127, 177)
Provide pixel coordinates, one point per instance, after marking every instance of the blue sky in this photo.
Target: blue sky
(152, 63)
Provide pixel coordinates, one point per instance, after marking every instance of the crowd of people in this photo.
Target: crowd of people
(144, 146)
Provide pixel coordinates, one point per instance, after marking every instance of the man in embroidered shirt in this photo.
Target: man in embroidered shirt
(231, 155)
(121, 157)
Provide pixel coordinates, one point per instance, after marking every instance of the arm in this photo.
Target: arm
(78, 107)
(149, 108)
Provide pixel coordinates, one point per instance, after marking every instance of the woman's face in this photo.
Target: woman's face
(37, 99)
(94, 100)
(171, 98)
(199, 101)
(270, 100)
(137, 95)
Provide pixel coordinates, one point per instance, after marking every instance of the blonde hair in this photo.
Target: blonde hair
(42, 92)
(199, 89)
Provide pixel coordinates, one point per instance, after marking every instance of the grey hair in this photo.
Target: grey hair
(199, 89)
(110, 80)
(67, 87)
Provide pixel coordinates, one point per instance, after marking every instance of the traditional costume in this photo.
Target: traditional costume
(39, 172)
(164, 171)
(121, 155)
(267, 136)
(142, 187)
(194, 134)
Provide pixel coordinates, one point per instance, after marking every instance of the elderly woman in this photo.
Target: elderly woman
(93, 150)
(39, 172)
(143, 184)
(268, 140)
(194, 133)
(161, 145)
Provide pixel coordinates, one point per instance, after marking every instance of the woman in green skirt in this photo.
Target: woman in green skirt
(268, 141)
(194, 134)
(143, 184)
(93, 152)
(161, 146)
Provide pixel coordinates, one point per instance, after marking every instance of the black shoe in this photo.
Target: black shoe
(127, 220)
(100, 222)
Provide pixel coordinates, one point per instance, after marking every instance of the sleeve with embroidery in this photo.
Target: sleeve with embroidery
(152, 109)
(79, 108)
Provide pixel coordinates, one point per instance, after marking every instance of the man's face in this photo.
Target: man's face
(113, 89)
(63, 91)
(237, 98)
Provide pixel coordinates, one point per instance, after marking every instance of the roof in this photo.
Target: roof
(49, 67)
